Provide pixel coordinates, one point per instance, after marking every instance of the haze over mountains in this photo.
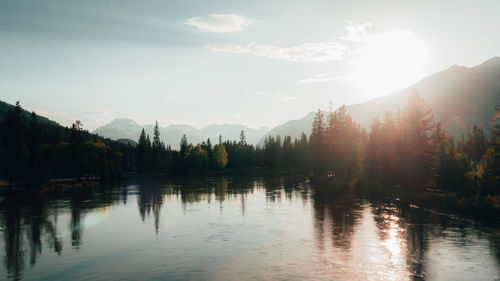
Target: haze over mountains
(123, 128)
(459, 97)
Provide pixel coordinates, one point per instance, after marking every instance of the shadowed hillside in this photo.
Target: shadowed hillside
(4, 108)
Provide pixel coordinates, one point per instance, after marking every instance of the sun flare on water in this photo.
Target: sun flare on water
(389, 63)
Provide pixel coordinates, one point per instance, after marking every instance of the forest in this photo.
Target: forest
(406, 148)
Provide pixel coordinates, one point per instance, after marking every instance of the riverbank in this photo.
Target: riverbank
(485, 207)
(475, 205)
(254, 171)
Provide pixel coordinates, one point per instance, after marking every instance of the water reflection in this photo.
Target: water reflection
(275, 227)
(379, 237)
(150, 200)
(24, 222)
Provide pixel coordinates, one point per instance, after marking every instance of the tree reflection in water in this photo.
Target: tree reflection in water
(356, 234)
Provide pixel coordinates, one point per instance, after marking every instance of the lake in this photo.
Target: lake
(237, 228)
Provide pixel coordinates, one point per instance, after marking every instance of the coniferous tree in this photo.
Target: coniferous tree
(184, 151)
(302, 153)
(14, 148)
(376, 154)
(447, 168)
(199, 158)
(77, 164)
(317, 143)
(272, 151)
(141, 153)
(183, 146)
(407, 150)
(149, 153)
(243, 139)
(489, 165)
(158, 151)
(35, 167)
(207, 146)
(389, 148)
(342, 144)
(417, 131)
(287, 153)
(476, 144)
(156, 137)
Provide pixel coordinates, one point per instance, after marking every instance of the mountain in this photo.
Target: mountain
(292, 128)
(120, 128)
(123, 128)
(459, 97)
(232, 132)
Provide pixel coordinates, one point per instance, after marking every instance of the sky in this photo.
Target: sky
(257, 63)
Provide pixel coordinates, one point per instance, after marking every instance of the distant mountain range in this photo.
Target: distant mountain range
(123, 128)
(459, 97)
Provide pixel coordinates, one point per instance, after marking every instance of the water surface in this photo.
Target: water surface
(251, 228)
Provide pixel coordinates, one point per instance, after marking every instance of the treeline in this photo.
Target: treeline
(32, 152)
(405, 148)
(153, 157)
(412, 149)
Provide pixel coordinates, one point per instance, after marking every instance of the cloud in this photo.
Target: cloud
(364, 32)
(349, 45)
(285, 98)
(220, 23)
(307, 52)
(322, 77)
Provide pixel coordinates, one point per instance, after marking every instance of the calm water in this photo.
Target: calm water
(247, 228)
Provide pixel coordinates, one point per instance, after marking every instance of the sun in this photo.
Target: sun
(388, 63)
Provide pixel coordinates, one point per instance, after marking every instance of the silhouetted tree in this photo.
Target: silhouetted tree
(35, 166)
(403, 149)
(417, 131)
(141, 153)
(243, 139)
(158, 151)
(488, 169)
(318, 143)
(448, 169)
(199, 159)
(343, 144)
(14, 146)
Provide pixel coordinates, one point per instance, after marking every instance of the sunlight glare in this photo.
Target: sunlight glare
(393, 243)
(389, 63)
